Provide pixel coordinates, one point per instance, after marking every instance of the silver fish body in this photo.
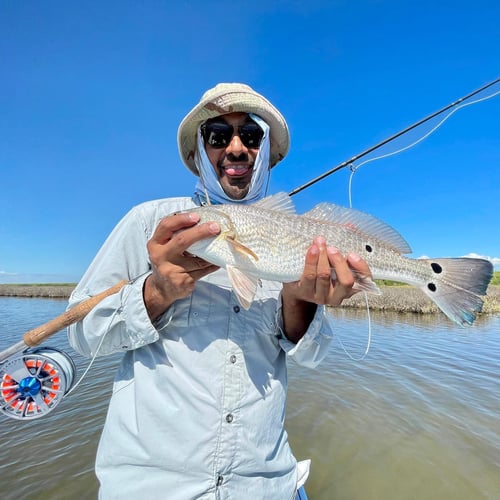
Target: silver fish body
(268, 240)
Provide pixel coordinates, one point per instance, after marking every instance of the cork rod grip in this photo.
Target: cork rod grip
(40, 333)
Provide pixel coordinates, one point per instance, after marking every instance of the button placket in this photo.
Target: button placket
(232, 391)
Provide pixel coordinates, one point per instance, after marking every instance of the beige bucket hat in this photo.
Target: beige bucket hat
(231, 98)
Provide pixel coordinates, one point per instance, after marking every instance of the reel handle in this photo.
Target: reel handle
(40, 333)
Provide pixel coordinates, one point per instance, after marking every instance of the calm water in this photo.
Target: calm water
(418, 418)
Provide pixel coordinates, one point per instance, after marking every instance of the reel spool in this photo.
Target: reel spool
(34, 382)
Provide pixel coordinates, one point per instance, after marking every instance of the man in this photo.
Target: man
(198, 402)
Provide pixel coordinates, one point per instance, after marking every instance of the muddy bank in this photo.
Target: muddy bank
(409, 299)
(393, 298)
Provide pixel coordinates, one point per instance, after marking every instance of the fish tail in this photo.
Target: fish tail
(457, 286)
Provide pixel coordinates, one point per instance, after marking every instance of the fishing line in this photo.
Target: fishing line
(115, 312)
(355, 168)
(369, 340)
(94, 356)
(391, 138)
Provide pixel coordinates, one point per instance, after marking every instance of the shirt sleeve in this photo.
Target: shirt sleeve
(311, 349)
(120, 322)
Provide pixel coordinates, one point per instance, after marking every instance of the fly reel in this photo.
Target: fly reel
(33, 382)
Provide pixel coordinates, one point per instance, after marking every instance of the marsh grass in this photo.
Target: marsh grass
(48, 290)
(409, 299)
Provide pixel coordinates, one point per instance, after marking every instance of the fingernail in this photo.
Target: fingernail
(194, 217)
(332, 250)
(214, 227)
(314, 250)
(320, 240)
(354, 257)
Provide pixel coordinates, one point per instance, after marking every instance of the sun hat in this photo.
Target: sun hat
(232, 98)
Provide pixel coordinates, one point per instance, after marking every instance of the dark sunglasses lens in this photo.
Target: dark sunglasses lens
(251, 135)
(217, 134)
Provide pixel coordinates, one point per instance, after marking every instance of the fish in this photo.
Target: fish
(268, 240)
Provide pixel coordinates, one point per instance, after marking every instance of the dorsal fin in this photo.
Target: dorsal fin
(357, 220)
(280, 202)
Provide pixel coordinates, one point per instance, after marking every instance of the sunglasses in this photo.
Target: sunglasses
(218, 134)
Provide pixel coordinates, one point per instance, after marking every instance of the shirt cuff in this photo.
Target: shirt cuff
(140, 330)
(313, 346)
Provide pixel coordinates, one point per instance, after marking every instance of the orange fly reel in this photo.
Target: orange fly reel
(34, 382)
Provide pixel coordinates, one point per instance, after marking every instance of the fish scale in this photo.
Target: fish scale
(268, 240)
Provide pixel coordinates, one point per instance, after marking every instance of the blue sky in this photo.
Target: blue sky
(91, 95)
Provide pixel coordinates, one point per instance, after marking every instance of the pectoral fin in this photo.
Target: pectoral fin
(362, 283)
(244, 287)
(239, 247)
(365, 284)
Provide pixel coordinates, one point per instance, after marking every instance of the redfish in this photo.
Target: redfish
(268, 240)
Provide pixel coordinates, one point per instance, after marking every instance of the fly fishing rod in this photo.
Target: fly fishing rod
(391, 138)
(33, 380)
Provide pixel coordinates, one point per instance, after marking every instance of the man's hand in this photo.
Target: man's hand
(175, 272)
(317, 287)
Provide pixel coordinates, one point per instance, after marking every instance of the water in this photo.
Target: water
(418, 418)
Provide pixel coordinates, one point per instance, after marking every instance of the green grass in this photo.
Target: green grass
(390, 283)
(496, 278)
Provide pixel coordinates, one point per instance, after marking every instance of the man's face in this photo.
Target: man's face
(234, 162)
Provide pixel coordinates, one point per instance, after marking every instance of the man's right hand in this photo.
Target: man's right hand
(174, 271)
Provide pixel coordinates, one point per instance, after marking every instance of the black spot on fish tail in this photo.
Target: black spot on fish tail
(436, 268)
(458, 286)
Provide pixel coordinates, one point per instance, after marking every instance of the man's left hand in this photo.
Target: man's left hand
(316, 285)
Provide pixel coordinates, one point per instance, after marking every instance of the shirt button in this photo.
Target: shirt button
(236, 309)
(232, 359)
(229, 418)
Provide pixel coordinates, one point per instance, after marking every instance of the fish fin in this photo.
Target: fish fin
(458, 286)
(239, 247)
(244, 286)
(362, 283)
(356, 220)
(280, 202)
(365, 284)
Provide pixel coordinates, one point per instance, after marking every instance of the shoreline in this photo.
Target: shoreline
(394, 298)
(45, 290)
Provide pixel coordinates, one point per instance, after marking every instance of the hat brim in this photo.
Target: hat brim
(243, 100)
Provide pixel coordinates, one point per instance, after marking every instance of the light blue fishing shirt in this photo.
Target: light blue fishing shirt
(198, 403)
